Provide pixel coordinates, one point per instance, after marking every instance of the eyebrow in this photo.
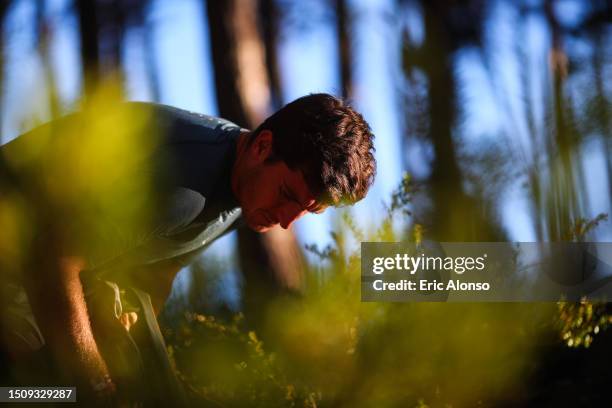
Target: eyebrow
(318, 207)
(314, 208)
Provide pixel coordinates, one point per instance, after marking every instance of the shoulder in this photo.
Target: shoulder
(185, 125)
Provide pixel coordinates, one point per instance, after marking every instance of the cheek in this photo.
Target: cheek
(254, 191)
(248, 189)
(247, 194)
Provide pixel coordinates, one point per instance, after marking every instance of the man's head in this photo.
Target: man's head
(314, 152)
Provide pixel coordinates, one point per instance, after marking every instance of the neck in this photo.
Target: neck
(241, 146)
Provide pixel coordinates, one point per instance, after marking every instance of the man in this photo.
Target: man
(209, 177)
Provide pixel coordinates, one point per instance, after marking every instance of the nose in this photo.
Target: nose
(289, 213)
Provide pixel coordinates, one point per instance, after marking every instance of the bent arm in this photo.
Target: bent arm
(58, 304)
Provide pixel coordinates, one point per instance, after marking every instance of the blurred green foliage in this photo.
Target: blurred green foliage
(81, 183)
(235, 369)
(330, 349)
(579, 323)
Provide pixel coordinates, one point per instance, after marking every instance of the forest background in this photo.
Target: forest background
(492, 122)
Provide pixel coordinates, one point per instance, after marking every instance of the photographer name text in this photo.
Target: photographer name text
(429, 285)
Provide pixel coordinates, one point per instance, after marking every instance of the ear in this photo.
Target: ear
(261, 148)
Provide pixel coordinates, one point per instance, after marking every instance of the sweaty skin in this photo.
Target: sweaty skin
(67, 329)
(270, 193)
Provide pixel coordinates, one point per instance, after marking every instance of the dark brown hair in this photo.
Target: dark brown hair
(329, 142)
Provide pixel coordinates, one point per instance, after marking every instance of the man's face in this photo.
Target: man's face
(270, 193)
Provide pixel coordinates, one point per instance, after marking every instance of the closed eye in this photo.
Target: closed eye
(288, 195)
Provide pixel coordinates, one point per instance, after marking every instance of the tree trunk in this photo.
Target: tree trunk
(345, 47)
(561, 206)
(44, 35)
(453, 215)
(269, 14)
(151, 62)
(271, 262)
(90, 52)
(100, 23)
(4, 8)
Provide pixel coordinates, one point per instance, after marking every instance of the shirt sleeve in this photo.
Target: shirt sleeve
(161, 241)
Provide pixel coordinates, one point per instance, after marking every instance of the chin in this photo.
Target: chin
(261, 228)
(258, 221)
